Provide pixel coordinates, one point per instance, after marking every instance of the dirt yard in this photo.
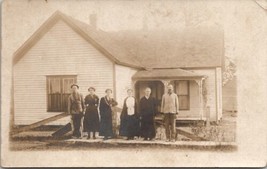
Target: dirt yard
(196, 136)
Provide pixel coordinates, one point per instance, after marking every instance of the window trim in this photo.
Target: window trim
(48, 109)
(176, 82)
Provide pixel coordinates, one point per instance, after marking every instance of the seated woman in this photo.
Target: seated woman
(130, 125)
(106, 103)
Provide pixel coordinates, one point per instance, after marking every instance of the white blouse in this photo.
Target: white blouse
(130, 101)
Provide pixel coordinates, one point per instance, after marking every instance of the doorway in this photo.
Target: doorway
(157, 90)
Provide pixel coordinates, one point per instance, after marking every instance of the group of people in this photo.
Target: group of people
(136, 119)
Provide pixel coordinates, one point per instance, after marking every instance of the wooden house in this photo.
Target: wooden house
(65, 51)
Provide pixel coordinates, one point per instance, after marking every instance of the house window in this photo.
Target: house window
(58, 91)
(182, 90)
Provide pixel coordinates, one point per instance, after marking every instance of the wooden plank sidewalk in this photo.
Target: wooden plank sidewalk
(116, 143)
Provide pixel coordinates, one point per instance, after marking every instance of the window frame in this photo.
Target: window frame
(61, 77)
(176, 83)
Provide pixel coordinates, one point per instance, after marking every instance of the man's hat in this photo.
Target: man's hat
(108, 90)
(91, 88)
(74, 85)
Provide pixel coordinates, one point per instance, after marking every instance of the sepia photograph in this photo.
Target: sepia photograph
(130, 81)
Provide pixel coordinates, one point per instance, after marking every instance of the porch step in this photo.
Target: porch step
(189, 135)
(62, 131)
(48, 120)
(183, 123)
(39, 123)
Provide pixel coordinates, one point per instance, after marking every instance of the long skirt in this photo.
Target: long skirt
(123, 126)
(91, 120)
(148, 127)
(106, 126)
(130, 126)
(133, 126)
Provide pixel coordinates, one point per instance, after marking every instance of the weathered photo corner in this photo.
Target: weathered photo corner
(128, 76)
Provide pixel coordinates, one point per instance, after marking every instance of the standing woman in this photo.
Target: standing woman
(148, 110)
(129, 117)
(91, 117)
(106, 115)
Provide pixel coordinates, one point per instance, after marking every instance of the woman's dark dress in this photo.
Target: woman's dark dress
(148, 110)
(106, 116)
(91, 117)
(130, 124)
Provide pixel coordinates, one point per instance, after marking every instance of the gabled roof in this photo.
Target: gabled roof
(192, 47)
(165, 74)
(93, 36)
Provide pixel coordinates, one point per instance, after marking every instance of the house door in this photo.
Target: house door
(157, 90)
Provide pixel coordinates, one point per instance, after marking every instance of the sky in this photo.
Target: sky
(22, 18)
(26, 16)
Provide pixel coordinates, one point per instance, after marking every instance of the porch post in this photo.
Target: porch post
(134, 89)
(133, 85)
(200, 89)
(166, 83)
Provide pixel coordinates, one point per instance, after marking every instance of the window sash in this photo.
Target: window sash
(183, 93)
(58, 91)
(184, 102)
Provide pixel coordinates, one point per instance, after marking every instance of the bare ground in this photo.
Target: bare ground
(220, 137)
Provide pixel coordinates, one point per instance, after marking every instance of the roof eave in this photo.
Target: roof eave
(164, 77)
(48, 24)
(129, 65)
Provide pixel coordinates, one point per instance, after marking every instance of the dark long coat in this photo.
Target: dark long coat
(91, 117)
(106, 116)
(148, 110)
(130, 124)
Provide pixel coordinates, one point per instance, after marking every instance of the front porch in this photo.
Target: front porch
(190, 88)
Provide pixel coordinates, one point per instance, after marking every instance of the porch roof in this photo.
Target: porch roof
(166, 74)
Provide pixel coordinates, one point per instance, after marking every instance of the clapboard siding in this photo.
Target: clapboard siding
(61, 51)
(219, 92)
(124, 82)
(193, 112)
(211, 90)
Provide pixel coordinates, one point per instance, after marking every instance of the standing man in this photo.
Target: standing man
(170, 107)
(76, 108)
(148, 110)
